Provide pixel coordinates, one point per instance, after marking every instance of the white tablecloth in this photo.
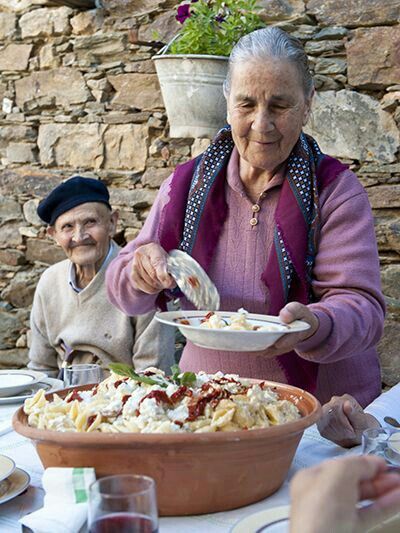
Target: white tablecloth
(312, 450)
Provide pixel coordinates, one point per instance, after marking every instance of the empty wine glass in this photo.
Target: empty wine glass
(125, 503)
(82, 375)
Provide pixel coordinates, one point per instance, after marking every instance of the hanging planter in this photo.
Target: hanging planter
(193, 66)
(191, 87)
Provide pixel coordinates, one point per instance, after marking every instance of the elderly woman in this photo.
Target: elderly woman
(279, 227)
(71, 317)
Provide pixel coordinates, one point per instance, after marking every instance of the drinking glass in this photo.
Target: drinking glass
(82, 374)
(125, 503)
(384, 442)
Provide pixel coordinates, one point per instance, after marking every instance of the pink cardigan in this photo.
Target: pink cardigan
(346, 283)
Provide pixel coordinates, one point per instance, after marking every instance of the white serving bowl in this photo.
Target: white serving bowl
(230, 340)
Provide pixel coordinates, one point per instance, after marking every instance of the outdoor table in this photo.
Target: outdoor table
(312, 450)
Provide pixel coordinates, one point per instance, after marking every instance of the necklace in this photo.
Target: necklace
(255, 209)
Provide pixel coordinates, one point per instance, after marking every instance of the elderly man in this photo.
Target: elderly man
(71, 316)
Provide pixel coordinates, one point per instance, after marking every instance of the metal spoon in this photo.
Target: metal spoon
(392, 421)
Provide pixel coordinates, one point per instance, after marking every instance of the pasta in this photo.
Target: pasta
(237, 322)
(118, 404)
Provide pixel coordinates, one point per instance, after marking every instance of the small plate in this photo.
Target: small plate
(19, 481)
(193, 280)
(48, 384)
(275, 520)
(7, 467)
(229, 340)
(14, 381)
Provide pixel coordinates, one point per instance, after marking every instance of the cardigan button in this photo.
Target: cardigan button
(255, 208)
(253, 222)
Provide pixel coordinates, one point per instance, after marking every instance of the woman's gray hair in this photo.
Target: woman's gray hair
(270, 43)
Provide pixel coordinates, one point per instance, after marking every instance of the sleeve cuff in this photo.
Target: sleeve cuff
(322, 333)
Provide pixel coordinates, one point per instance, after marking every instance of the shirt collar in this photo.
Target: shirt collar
(72, 272)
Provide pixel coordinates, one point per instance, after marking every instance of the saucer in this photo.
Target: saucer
(275, 520)
(48, 384)
(13, 381)
(7, 467)
(18, 482)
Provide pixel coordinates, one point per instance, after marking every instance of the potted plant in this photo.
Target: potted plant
(192, 67)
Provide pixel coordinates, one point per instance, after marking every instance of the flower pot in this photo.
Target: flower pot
(191, 87)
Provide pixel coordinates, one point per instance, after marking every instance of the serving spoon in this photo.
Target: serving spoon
(392, 421)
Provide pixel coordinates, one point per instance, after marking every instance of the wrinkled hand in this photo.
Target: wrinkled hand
(293, 311)
(343, 421)
(324, 497)
(149, 269)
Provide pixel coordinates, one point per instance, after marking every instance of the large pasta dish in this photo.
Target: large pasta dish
(151, 402)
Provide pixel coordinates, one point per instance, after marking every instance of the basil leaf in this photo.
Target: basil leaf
(175, 371)
(127, 371)
(187, 378)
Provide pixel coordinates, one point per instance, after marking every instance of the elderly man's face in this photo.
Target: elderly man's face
(84, 233)
(267, 110)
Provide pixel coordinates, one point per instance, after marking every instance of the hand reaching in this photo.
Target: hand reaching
(324, 497)
(293, 311)
(149, 269)
(343, 421)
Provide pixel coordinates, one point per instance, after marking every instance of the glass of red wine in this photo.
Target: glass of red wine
(125, 503)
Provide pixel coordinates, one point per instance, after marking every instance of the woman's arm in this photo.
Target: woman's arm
(121, 289)
(346, 277)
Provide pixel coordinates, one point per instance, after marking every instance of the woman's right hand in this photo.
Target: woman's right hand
(149, 269)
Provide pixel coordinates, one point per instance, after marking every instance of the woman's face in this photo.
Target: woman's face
(267, 109)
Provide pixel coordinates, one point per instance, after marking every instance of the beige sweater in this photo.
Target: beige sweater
(88, 322)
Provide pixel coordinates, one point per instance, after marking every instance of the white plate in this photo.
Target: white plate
(14, 381)
(193, 281)
(7, 467)
(19, 481)
(230, 340)
(275, 520)
(48, 384)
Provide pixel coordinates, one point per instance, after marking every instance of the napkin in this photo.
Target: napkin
(65, 502)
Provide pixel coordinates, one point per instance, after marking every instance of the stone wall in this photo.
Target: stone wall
(79, 93)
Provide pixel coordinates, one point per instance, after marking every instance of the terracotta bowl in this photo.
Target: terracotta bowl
(195, 473)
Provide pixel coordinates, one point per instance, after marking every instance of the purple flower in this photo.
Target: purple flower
(183, 13)
(220, 18)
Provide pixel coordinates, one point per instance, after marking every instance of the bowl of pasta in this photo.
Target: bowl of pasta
(224, 330)
(212, 442)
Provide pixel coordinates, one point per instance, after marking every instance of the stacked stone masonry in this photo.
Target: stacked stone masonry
(79, 93)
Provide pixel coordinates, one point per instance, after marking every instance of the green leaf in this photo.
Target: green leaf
(175, 371)
(127, 371)
(188, 378)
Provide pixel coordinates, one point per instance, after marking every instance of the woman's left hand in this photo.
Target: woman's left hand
(293, 311)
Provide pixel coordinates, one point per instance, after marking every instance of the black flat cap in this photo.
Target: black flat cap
(71, 193)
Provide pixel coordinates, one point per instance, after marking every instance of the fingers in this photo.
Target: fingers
(297, 311)
(382, 484)
(149, 269)
(380, 510)
(335, 425)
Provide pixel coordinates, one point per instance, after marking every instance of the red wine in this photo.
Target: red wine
(123, 523)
